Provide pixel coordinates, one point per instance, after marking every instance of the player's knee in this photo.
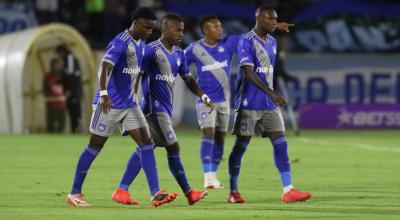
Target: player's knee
(208, 133)
(275, 134)
(241, 143)
(173, 149)
(149, 141)
(219, 138)
(95, 146)
(97, 141)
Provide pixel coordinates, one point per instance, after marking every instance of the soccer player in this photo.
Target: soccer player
(257, 105)
(115, 105)
(212, 56)
(163, 61)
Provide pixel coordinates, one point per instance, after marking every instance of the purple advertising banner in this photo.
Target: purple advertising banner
(351, 116)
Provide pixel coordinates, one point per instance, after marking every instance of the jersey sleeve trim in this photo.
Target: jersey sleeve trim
(246, 64)
(108, 61)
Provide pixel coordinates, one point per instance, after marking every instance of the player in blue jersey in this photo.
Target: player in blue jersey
(212, 56)
(115, 106)
(257, 105)
(163, 61)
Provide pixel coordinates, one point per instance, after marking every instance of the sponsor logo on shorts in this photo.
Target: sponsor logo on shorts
(171, 135)
(203, 115)
(243, 126)
(178, 61)
(102, 127)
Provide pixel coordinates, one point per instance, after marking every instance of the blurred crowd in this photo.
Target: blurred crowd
(358, 25)
(100, 20)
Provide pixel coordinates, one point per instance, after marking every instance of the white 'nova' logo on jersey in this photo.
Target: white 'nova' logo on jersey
(131, 71)
(169, 78)
(215, 65)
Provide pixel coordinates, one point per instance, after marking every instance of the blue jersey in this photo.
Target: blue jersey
(252, 51)
(160, 69)
(213, 66)
(126, 55)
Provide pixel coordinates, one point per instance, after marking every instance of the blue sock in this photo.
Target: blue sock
(177, 170)
(84, 162)
(206, 152)
(218, 151)
(235, 159)
(148, 163)
(281, 159)
(132, 170)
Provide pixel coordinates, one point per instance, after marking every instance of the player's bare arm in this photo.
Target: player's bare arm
(284, 26)
(252, 77)
(105, 71)
(195, 89)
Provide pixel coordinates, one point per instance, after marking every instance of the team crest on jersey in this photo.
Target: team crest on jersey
(243, 126)
(245, 102)
(178, 61)
(170, 135)
(244, 59)
(102, 127)
(156, 104)
(221, 49)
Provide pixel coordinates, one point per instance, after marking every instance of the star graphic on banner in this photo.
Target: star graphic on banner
(344, 118)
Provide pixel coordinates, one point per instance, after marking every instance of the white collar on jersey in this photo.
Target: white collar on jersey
(137, 42)
(212, 46)
(255, 34)
(173, 47)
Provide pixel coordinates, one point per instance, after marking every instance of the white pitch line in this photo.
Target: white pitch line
(373, 148)
(358, 145)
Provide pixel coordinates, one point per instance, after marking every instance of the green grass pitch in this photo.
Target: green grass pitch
(352, 175)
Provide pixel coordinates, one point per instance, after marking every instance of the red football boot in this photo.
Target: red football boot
(162, 197)
(123, 196)
(295, 195)
(234, 197)
(194, 196)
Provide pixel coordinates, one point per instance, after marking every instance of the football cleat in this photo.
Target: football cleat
(123, 196)
(162, 197)
(211, 181)
(77, 200)
(235, 197)
(295, 195)
(194, 196)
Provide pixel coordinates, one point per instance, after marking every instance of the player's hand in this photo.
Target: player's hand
(105, 104)
(277, 98)
(283, 26)
(206, 100)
